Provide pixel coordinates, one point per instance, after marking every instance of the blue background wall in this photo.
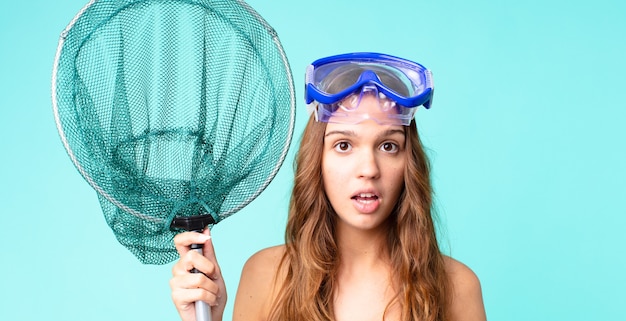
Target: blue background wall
(526, 136)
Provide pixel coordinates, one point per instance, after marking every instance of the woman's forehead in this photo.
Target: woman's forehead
(368, 128)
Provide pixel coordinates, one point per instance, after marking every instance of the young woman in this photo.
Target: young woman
(360, 240)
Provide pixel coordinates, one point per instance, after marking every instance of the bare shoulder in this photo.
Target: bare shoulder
(460, 275)
(257, 284)
(267, 258)
(466, 301)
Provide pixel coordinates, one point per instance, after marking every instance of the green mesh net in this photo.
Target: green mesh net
(172, 109)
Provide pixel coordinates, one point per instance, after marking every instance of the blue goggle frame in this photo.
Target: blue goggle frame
(421, 93)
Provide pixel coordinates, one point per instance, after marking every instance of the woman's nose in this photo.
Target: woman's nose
(367, 165)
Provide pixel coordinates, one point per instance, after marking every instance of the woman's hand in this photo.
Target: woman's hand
(188, 287)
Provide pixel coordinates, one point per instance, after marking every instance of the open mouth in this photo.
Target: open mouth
(366, 202)
(365, 197)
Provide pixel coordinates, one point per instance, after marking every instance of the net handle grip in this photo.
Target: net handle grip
(203, 310)
(196, 224)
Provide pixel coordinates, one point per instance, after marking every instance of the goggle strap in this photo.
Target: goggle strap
(308, 76)
(312, 109)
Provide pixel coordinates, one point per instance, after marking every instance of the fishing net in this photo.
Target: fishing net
(172, 109)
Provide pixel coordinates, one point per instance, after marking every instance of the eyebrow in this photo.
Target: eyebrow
(351, 133)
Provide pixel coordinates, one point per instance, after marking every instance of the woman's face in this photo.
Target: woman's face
(363, 169)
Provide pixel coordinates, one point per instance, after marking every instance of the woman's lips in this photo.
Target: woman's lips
(366, 203)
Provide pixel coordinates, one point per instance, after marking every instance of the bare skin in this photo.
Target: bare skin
(362, 169)
(258, 283)
(362, 299)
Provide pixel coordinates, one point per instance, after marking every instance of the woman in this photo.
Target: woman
(360, 240)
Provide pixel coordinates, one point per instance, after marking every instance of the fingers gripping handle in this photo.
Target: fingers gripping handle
(203, 310)
(197, 224)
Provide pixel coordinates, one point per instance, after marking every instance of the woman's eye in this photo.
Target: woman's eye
(343, 147)
(389, 147)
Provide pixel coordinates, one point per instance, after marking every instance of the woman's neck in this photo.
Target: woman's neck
(362, 249)
(364, 287)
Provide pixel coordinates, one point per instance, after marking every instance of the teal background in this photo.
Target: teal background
(526, 137)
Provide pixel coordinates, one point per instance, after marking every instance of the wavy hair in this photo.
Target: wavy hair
(307, 274)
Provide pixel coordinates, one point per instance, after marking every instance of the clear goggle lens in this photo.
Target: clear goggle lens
(368, 104)
(336, 85)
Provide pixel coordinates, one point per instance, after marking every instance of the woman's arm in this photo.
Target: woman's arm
(466, 302)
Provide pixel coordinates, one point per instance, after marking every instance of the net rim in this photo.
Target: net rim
(261, 187)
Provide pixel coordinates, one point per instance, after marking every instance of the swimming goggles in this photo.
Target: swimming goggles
(335, 87)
